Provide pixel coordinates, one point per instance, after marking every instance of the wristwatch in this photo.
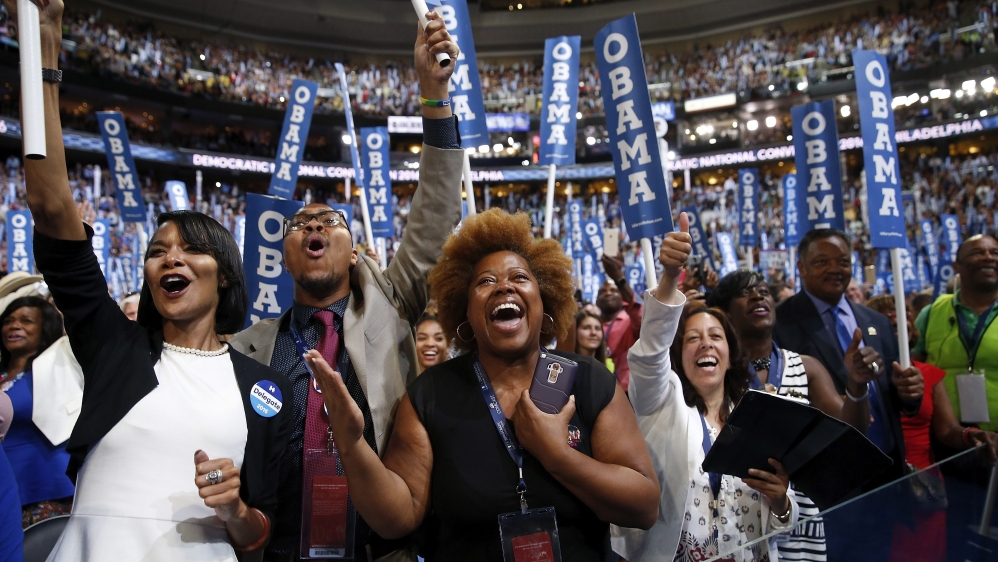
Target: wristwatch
(51, 75)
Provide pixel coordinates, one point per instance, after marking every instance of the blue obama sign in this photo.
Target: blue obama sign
(560, 102)
(297, 122)
(101, 243)
(883, 190)
(121, 166)
(791, 226)
(270, 287)
(20, 251)
(816, 155)
(700, 245)
(748, 207)
(465, 84)
(176, 192)
(644, 200)
(377, 181)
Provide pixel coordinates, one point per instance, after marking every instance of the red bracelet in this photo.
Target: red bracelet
(263, 539)
(966, 436)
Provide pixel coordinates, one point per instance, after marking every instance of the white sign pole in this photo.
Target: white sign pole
(420, 6)
(549, 210)
(198, 190)
(650, 280)
(29, 39)
(97, 186)
(900, 308)
(369, 236)
(383, 252)
(469, 188)
(793, 266)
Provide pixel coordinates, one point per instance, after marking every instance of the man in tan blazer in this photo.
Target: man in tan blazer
(372, 312)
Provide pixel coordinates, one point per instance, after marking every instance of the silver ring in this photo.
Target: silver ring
(214, 477)
(876, 368)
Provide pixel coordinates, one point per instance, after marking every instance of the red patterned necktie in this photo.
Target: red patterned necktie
(316, 422)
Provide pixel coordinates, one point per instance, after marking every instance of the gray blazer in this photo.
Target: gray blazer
(384, 306)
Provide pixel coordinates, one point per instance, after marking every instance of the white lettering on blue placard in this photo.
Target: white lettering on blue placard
(121, 165)
(930, 243)
(816, 156)
(271, 287)
(20, 254)
(698, 235)
(748, 205)
(294, 135)
(728, 257)
(266, 399)
(377, 179)
(176, 193)
(465, 84)
(791, 226)
(879, 150)
(102, 244)
(630, 125)
(952, 238)
(560, 101)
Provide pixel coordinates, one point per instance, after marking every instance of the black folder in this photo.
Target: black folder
(826, 459)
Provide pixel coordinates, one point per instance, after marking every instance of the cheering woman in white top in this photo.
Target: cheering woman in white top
(683, 386)
(171, 459)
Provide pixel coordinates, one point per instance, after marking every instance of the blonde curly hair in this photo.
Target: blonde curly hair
(498, 231)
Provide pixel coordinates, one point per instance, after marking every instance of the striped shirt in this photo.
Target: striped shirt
(807, 540)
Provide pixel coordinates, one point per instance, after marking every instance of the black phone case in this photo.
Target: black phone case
(554, 379)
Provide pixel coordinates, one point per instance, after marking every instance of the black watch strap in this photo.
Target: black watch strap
(51, 75)
(621, 281)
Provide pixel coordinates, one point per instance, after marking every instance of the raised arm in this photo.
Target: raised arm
(651, 367)
(436, 206)
(822, 393)
(47, 181)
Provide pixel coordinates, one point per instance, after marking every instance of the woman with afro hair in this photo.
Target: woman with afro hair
(502, 295)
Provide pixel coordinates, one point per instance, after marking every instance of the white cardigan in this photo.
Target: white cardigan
(674, 436)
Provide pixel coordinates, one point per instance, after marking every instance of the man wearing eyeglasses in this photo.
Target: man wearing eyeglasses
(854, 343)
(358, 317)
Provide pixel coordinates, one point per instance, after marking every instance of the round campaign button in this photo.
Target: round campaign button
(266, 399)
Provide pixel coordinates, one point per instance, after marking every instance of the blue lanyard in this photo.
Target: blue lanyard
(715, 478)
(775, 377)
(502, 426)
(973, 343)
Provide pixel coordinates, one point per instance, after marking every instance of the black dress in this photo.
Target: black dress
(474, 479)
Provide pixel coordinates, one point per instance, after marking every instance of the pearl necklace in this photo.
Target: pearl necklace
(198, 352)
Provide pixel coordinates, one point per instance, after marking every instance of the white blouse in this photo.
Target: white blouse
(136, 498)
(739, 519)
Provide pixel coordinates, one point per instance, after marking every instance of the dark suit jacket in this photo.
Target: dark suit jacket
(118, 357)
(800, 328)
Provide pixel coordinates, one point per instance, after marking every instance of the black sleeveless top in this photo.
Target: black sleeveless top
(474, 479)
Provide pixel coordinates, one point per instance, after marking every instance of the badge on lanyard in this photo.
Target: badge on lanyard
(328, 521)
(528, 535)
(266, 399)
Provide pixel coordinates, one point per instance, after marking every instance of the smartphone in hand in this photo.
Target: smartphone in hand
(554, 382)
(611, 242)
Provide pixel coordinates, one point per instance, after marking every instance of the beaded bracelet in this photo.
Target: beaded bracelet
(263, 538)
(434, 103)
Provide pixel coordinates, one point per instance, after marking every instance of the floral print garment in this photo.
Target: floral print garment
(739, 521)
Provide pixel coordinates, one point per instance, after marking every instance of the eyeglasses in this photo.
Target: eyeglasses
(329, 219)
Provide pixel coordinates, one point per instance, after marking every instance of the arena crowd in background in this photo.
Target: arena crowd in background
(756, 66)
